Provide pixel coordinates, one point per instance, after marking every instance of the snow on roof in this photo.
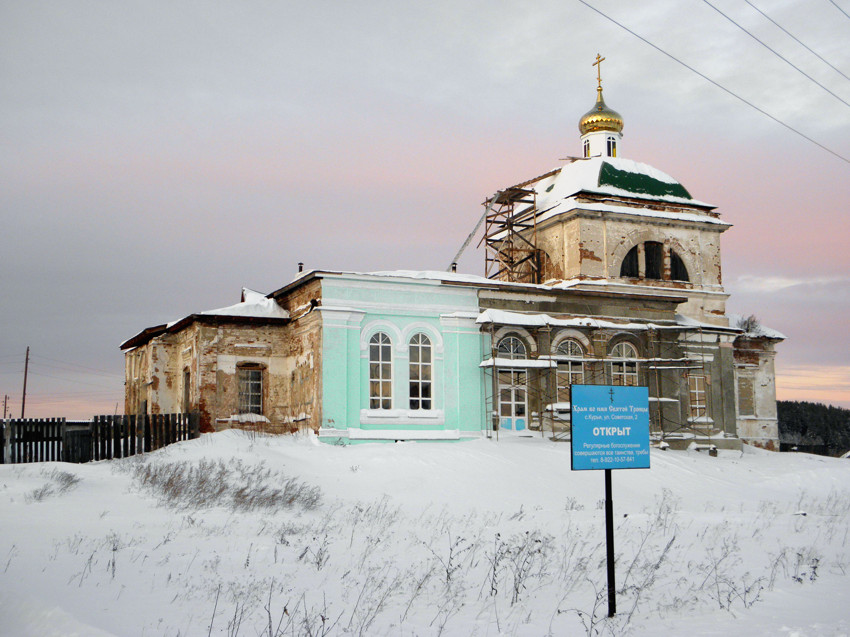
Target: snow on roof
(618, 177)
(505, 317)
(254, 304)
(612, 175)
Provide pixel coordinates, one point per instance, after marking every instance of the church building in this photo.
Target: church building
(603, 270)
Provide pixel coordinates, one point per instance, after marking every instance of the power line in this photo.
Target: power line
(718, 85)
(839, 8)
(798, 41)
(70, 364)
(779, 55)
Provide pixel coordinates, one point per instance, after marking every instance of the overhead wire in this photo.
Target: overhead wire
(779, 55)
(837, 6)
(718, 85)
(798, 41)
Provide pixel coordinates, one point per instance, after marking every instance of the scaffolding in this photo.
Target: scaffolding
(510, 234)
(661, 371)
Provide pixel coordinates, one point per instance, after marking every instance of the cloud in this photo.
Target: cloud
(754, 284)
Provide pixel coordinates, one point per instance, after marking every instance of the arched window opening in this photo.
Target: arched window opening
(612, 147)
(420, 372)
(624, 365)
(678, 271)
(630, 264)
(587, 148)
(380, 372)
(571, 371)
(654, 252)
(652, 266)
(511, 347)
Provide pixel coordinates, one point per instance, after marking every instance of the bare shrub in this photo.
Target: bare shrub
(235, 485)
(59, 482)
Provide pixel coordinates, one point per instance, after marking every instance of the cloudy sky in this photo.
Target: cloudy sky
(157, 156)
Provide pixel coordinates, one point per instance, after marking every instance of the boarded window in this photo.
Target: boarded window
(746, 396)
(187, 378)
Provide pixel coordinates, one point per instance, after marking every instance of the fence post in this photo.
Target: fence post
(4, 453)
(195, 424)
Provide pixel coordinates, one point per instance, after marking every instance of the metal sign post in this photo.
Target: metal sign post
(610, 430)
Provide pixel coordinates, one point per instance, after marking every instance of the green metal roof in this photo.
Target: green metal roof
(639, 183)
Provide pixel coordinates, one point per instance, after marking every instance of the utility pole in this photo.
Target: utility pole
(5, 400)
(26, 368)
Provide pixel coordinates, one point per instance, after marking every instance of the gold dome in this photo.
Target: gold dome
(600, 118)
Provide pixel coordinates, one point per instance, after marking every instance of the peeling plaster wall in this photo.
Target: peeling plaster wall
(755, 392)
(592, 245)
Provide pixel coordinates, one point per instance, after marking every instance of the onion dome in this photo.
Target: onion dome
(600, 118)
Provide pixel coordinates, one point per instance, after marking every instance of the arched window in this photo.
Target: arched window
(511, 347)
(653, 263)
(420, 372)
(570, 371)
(380, 372)
(630, 264)
(612, 147)
(678, 271)
(587, 148)
(623, 364)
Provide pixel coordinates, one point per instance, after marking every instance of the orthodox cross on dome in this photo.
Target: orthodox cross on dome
(598, 65)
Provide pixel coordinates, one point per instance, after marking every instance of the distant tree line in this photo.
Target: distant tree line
(813, 427)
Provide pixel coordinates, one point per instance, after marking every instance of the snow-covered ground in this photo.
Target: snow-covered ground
(240, 534)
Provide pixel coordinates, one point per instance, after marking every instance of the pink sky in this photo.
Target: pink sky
(156, 159)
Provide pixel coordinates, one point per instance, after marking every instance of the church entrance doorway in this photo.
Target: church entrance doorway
(513, 399)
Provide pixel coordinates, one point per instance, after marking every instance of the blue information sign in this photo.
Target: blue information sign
(610, 427)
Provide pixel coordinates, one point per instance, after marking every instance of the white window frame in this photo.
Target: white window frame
(569, 372)
(421, 372)
(623, 365)
(698, 397)
(511, 347)
(380, 371)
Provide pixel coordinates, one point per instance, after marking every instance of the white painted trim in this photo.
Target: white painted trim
(570, 333)
(436, 417)
(403, 434)
(375, 326)
(524, 334)
(432, 333)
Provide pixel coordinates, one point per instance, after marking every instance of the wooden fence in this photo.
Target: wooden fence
(102, 438)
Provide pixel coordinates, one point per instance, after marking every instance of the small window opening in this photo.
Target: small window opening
(250, 379)
(612, 147)
(587, 148)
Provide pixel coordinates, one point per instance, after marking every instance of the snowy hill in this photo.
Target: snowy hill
(239, 534)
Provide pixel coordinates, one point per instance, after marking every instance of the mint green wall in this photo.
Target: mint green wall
(354, 307)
